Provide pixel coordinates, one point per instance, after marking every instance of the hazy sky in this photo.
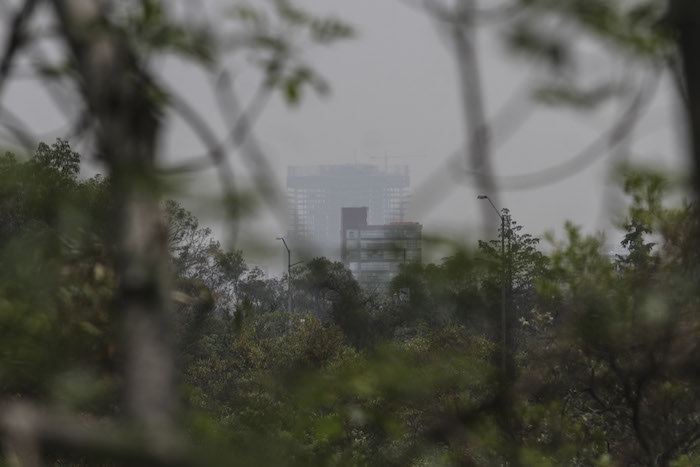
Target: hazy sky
(395, 93)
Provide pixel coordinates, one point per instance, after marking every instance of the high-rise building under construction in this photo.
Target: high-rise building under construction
(317, 194)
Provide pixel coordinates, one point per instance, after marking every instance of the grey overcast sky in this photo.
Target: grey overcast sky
(395, 92)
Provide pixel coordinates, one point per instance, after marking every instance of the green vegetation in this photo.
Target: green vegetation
(604, 348)
(130, 336)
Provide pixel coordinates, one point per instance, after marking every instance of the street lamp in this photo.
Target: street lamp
(289, 275)
(504, 347)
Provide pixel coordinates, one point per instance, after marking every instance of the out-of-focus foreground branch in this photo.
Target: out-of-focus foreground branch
(478, 147)
(684, 16)
(27, 428)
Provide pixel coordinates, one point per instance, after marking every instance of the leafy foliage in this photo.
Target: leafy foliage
(552, 33)
(57, 281)
(605, 347)
(277, 32)
(606, 364)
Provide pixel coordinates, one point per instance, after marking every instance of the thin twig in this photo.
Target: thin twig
(253, 155)
(215, 150)
(435, 188)
(610, 139)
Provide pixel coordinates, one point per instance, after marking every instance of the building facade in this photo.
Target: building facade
(317, 193)
(374, 253)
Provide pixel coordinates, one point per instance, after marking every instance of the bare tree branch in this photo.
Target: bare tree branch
(15, 39)
(26, 427)
(617, 134)
(216, 153)
(477, 129)
(242, 136)
(18, 129)
(239, 126)
(434, 188)
(468, 11)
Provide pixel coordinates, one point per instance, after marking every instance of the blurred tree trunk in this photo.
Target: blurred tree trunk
(477, 132)
(685, 21)
(119, 97)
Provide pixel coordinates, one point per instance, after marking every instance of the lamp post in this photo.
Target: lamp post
(289, 275)
(504, 348)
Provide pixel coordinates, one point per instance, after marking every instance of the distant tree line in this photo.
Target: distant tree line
(605, 349)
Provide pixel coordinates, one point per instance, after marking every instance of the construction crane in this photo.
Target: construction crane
(387, 157)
